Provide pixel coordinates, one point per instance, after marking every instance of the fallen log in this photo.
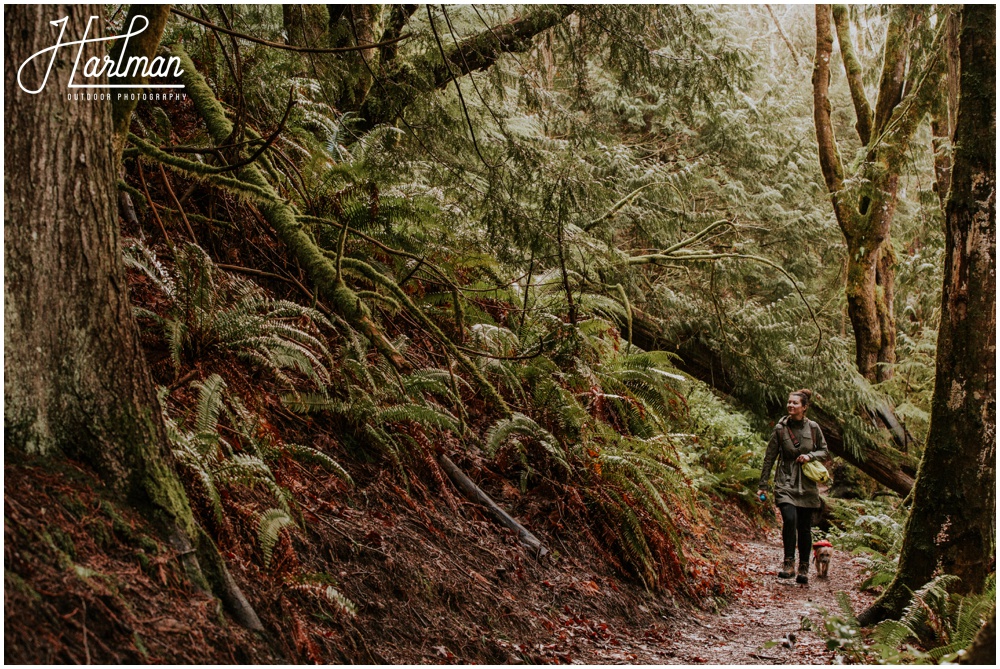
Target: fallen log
(900, 434)
(889, 467)
(476, 494)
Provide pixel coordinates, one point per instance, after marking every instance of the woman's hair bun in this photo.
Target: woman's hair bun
(806, 395)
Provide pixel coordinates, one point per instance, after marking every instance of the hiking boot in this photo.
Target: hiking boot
(787, 568)
(803, 575)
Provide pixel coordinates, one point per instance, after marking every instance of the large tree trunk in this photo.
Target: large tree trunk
(951, 524)
(871, 279)
(76, 377)
(305, 25)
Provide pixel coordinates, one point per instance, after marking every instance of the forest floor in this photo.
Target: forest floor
(766, 610)
(87, 581)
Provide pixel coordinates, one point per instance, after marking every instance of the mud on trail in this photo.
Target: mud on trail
(431, 578)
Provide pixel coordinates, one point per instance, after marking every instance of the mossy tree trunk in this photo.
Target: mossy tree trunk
(864, 202)
(77, 383)
(143, 45)
(305, 25)
(76, 377)
(951, 524)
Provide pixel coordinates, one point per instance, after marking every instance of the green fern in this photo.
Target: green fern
(315, 456)
(942, 623)
(211, 311)
(519, 425)
(269, 528)
(323, 586)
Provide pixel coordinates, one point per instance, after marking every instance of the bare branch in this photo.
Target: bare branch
(795, 54)
(284, 47)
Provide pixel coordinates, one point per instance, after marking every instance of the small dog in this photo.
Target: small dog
(822, 552)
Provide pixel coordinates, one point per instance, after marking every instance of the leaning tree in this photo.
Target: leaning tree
(77, 384)
(951, 524)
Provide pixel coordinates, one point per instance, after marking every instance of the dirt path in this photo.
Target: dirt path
(767, 609)
(445, 588)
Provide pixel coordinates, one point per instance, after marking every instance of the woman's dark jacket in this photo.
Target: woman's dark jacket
(791, 486)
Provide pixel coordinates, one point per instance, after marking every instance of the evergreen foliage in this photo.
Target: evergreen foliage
(481, 257)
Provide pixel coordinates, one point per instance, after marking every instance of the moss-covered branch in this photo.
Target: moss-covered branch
(892, 80)
(370, 273)
(862, 108)
(281, 216)
(407, 80)
(829, 156)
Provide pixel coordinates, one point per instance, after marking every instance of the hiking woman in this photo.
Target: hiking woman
(795, 441)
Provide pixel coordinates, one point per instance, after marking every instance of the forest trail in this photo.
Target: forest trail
(765, 610)
(439, 589)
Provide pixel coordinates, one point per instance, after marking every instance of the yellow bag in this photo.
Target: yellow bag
(815, 471)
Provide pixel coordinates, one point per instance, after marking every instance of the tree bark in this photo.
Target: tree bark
(951, 525)
(76, 377)
(305, 25)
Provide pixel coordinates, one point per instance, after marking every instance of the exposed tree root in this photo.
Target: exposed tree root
(476, 494)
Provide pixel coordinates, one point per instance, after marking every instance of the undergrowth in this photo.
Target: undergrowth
(936, 627)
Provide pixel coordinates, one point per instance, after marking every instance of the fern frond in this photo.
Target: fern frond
(520, 425)
(271, 523)
(210, 393)
(426, 415)
(315, 456)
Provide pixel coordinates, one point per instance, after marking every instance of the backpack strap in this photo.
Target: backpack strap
(791, 435)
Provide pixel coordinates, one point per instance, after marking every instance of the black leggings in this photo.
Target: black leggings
(795, 523)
